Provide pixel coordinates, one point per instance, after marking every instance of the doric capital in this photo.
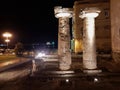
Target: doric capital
(90, 12)
(63, 12)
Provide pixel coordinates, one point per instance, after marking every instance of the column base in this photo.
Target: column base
(92, 71)
(116, 56)
(64, 67)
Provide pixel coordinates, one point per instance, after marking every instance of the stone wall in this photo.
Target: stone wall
(115, 29)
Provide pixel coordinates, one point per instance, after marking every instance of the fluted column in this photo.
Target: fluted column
(63, 14)
(89, 46)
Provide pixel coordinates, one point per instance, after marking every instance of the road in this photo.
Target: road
(14, 71)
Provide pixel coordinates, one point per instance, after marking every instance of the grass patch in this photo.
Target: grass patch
(4, 58)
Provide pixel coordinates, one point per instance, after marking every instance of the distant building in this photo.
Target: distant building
(102, 25)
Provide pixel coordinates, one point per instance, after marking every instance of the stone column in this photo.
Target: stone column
(89, 46)
(63, 14)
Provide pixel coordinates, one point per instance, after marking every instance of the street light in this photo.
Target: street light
(7, 41)
(7, 35)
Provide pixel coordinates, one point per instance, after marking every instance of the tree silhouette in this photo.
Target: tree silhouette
(19, 49)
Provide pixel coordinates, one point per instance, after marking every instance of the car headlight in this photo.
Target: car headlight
(39, 55)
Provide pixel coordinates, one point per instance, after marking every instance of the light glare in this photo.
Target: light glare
(67, 80)
(95, 80)
(91, 14)
(7, 34)
(63, 15)
(40, 55)
(7, 40)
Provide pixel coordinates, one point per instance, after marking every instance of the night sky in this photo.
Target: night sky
(30, 21)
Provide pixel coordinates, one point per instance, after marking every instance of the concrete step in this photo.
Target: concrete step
(59, 72)
(50, 58)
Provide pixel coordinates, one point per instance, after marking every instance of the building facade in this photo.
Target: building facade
(115, 29)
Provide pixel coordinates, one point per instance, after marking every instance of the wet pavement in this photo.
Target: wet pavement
(48, 77)
(83, 82)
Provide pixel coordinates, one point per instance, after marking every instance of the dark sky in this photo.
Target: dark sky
(30, 21)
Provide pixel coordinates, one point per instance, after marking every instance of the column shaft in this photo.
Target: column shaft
(64, 36)
(89, 49)
(64, 43)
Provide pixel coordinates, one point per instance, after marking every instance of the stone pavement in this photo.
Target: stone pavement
(73, 79)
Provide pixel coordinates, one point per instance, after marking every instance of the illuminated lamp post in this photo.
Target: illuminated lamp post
(7, 35)
(7, 41)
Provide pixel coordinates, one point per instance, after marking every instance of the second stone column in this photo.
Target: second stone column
(89, 46)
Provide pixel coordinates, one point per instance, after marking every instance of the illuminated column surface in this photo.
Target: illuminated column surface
(63, 14)
(89, 46)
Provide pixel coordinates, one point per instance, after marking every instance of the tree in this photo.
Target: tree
(19, 49)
